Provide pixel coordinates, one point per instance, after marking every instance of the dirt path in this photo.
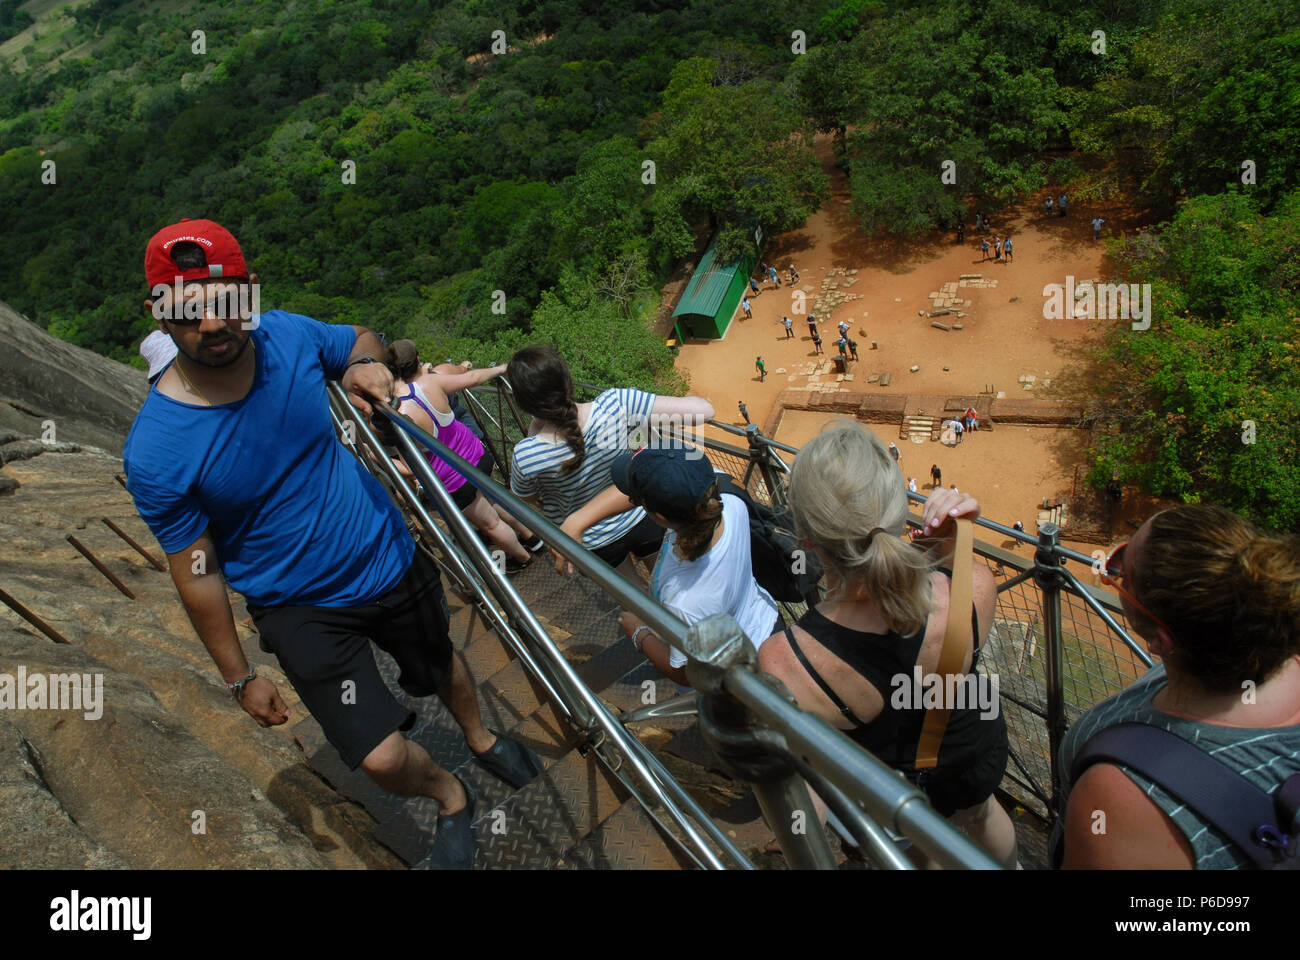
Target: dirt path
(1005, 336)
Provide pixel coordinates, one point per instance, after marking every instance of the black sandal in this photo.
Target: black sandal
(510, 761)
(454, 844)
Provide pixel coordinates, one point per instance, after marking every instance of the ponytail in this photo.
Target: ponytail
(694, 538)
(566, 424)
(848, 497)
(543, 387)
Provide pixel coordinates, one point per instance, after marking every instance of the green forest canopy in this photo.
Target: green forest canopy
(575, 171)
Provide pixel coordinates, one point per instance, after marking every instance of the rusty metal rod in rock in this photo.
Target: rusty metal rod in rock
(99, 566)
(138, 549)
(32, 618)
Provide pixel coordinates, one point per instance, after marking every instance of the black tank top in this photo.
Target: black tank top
(879, 658)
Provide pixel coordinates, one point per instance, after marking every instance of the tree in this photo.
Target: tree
(581, 325)
(1203, 403)
(736, 153)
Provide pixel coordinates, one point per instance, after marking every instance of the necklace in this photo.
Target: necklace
(190, 384)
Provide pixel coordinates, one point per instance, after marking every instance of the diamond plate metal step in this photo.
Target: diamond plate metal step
(484, 656)
(513, 685)
(630, 692)
(570, 602)
(628, 840)
(614, 660)
(537, 826)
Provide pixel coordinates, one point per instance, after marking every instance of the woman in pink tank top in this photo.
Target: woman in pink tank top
(423, 393)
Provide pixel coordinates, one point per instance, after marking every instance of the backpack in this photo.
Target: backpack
(774, 551)
(1266, 827)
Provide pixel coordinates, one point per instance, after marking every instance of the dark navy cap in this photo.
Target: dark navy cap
(671, 481)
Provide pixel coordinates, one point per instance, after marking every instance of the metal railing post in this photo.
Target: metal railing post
(716, 645)
(761, 454)
(1048, 576)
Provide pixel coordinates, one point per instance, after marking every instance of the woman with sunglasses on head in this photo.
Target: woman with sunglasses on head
(563, 465)
(1218, 601)
(424, 397)
(885, 615)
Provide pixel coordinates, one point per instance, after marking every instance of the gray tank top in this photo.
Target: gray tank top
(1263, 755)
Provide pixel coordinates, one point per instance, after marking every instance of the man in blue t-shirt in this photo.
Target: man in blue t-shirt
(234, 464)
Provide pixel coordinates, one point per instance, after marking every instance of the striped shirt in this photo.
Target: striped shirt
(618, 422)
(1265, 756)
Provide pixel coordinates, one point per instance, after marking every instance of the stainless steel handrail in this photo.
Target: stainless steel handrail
(852, 769)
(665, 788)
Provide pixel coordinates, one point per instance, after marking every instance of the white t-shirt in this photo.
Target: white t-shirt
(721, 581)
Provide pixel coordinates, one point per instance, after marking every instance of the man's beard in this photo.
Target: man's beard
(230, 357)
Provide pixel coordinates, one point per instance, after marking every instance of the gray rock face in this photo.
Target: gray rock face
(37, 829)
(133, 782)
(123, 789)
(91, 399)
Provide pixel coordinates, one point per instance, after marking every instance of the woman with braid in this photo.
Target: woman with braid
(1218, 601)
(563, 465)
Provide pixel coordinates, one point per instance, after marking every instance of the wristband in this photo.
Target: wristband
(237, 688)
(636, 633)
(361, 360)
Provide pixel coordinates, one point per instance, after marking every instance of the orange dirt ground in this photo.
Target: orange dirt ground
(1010, 469)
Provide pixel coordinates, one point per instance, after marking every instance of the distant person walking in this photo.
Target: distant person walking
(762, 370)
(853, 347)
(1060, 203)
(961, 231)
(744, 411)
(789, 327)
(997, 247)
(911, 484)
(771, 272)
(794, 274)
(812, 326)
(844, 328)
(1051, 206)
(936, 476)
(1096, 228)
(843, 345)
(979, 221)
(744, 305)
(894, 452)
(984, 249)
(753, 285)
(1006, 250)
(817, 342)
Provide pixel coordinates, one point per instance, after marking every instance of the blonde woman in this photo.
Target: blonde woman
(885, 614)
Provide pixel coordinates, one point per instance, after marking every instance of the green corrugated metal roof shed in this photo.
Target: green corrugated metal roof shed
(715, 289)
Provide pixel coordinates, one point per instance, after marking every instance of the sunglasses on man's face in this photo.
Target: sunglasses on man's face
(226, 305)
(1112, 574)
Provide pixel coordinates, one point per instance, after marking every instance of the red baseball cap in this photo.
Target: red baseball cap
(225, 259)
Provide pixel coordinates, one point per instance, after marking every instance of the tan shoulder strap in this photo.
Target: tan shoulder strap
(957, 640)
